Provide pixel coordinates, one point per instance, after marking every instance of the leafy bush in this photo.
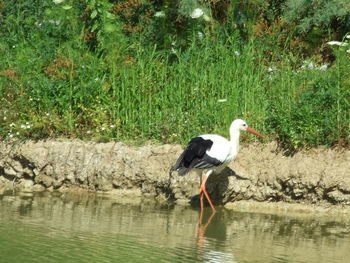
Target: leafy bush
(325, 15)
(285, 27)
(317, 112)
(166, 71)
(311, 116)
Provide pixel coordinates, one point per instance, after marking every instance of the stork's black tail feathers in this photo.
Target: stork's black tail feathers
(189, 158)
(179, 166)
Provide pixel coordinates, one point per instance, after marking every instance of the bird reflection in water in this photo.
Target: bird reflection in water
(202, 227)
(211, 232)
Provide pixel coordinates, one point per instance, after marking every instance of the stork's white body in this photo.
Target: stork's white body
(223, 150)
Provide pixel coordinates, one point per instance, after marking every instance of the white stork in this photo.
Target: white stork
(211, 152)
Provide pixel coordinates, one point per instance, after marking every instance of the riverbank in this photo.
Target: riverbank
(261, 173)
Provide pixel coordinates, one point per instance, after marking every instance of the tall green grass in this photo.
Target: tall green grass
(64, 88)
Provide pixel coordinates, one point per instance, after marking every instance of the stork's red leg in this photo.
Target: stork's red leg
(201, 200)
(201, 194)
(203, 190)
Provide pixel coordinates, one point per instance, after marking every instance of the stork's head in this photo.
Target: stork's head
(241, 125)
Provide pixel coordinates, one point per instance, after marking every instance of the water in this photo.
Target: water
(88, 228)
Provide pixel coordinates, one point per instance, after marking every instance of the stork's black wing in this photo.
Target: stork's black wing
(194, 156)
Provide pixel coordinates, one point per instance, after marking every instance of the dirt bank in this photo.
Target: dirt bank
(260, 173)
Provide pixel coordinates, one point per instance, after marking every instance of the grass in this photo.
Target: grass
(64, 88)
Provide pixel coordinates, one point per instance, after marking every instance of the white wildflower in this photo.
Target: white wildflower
(197, 13)
(103, 128)
(237, 53)
(311, 65)
(58, 1)
(38, 24)
(23, 126)
(271, 69)
(200, 35)
(348, 51)
(173, 51)
(222, 100)
(323, 67)
(337, 43)
(159, 14)
(112, 126)
(348, 36)
(54, 22)
(12, 125)
(13, 46)
(5, 118)
(308, 65)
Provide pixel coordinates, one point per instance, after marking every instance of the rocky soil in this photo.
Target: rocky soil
(260, 172)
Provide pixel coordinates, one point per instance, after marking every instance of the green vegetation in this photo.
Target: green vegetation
(157, 70)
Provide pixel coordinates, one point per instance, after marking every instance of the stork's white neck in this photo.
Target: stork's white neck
(234, 138)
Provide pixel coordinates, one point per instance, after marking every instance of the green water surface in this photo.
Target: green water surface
(46, 227)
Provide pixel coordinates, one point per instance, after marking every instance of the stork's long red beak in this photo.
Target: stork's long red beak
(251, 130)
